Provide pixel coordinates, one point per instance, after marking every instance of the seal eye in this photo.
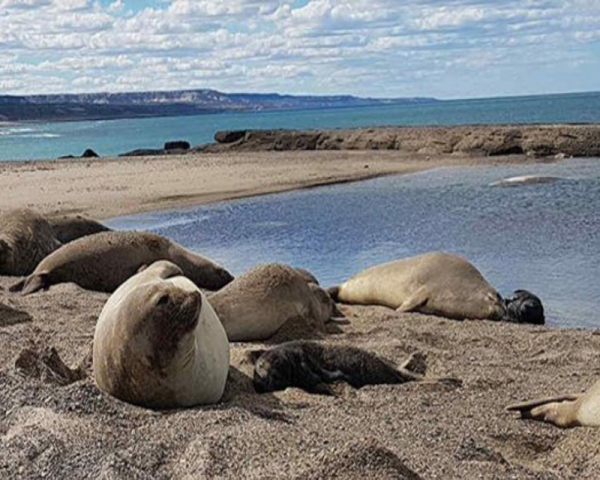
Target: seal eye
(163, 299)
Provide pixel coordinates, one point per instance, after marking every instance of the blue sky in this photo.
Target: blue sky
(381, 48)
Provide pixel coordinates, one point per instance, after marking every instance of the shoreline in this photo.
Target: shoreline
(112, 187)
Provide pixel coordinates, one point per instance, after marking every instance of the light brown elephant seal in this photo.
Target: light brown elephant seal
(104, 261)
(71, 227)
(257, 304)
(26, 238)
(437, 283)
(159, 344)
(565, 411)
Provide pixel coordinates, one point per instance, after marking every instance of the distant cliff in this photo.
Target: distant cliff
(95, 106)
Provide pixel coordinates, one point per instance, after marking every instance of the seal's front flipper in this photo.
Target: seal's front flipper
(412, 303)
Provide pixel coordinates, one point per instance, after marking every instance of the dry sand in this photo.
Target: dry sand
(106, 188)
(60, 426)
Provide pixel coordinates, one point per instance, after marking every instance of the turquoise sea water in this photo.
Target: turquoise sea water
(544, 238)
(51, 140)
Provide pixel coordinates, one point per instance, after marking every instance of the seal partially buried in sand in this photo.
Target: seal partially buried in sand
(26, 238)
(311, 366)
(71, 227)
(105, 260)
(564, 411)
(437, 284)
(159, 344)
(257, 304)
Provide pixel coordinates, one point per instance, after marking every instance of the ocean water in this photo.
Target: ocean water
(52, 140)
(544, 238)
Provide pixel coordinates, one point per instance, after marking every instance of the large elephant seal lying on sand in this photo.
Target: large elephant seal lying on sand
(26, 238)
(311, 366)
(257, 304)
(438, 284)
(564, 411)
(71, 227)
(159, 344)
(105, 260)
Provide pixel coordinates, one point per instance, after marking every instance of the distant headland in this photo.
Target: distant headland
(110, 106)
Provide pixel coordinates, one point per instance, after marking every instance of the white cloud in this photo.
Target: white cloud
(367, 47)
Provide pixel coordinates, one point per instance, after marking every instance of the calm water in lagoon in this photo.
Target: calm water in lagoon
(545, 238)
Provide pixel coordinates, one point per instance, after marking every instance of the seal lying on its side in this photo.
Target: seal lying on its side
(564, 411)
(68, 228)
(524, 180)
(257, 304)
(311, 366)
(105, 260)
(26, 239)
(438, 284)
(159, 344)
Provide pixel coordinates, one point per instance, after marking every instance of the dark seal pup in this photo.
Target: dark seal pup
(26, 238)
(102, 262)
(71, 227)
(311, 366)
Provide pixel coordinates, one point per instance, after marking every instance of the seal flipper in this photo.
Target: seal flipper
(524, 407)
(412, 303)
(334, 293)
(35, 283)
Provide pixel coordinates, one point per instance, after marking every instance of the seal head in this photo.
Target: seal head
(525, 307)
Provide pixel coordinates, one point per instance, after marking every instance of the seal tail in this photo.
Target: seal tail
(334, 293)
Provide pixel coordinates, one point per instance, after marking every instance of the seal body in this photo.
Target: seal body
(434, 283)
(26, 238)
(104, 261)
(565, 411)
(71, 227)
(159, 344)
(257, 304)
(311, 366)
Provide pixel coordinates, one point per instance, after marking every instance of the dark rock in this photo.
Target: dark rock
(65, 157)
(229, 136)
(89, 153)
(143, 152)
(177, 145)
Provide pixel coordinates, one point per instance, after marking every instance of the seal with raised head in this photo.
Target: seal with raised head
(71, 227)
(26, 238)
(437, 283)
(311, 366)
(566, 411)
(103, 261)
(257, 304)
(159, 344)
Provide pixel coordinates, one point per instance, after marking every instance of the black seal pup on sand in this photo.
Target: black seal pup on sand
(311, 366)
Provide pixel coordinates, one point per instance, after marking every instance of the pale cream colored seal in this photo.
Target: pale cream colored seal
(565, 411)
(434, 283)
(159, 344)
(257, 304)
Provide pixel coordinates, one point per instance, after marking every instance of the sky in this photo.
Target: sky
(369, 48)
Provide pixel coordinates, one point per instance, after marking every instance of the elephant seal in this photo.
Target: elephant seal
(26, 238)
(257, 304)
(159, 344)
(104, 261)
(68, 228)
(524, 180)
(565, 411)
(311, 366)
(436, 283)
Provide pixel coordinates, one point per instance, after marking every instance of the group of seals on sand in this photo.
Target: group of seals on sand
(160, 342)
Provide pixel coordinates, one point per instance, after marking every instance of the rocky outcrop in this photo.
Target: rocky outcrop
(532, 140)
(89, 153)
(177, 145)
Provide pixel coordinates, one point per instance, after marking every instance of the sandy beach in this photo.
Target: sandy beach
(59, 425)
(106, 187)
